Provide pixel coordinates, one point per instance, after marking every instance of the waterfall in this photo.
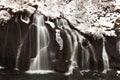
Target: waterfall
(105, 58)
(74, 54)
(73, 45)
(41, 61)
(118, 46)
(85, 58)
(74, 38)
(93, 54)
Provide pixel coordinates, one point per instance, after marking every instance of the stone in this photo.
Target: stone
(60, 66)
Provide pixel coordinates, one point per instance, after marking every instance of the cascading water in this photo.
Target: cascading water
(73, 38)
(105, 58)
(59, 39)
(20, 45)
(118, 46)
(73, 44)
(74, 54)
(85, 55)
(41, 61)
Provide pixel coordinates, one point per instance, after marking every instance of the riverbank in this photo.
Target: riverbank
(17, 75)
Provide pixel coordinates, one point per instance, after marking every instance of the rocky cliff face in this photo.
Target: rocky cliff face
(83, 34)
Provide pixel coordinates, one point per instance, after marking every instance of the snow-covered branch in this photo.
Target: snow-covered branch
(82, 14)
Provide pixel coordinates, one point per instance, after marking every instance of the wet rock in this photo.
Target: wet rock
(79, 56)
(13, 34)
(28, 45)
(53, 47)
(76, 72)
(5, 72)
(117, 27)
(112, 51)
(112, 73)
(60, 66)
(4, 17)
(109, 75)
(90, 74)
(32, 41)
(2, 37)
(85, 43)
(59, 51)
(97, 46)
(10, 44)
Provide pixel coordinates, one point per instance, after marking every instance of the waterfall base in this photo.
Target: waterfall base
(1, 67)
(39, 71)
